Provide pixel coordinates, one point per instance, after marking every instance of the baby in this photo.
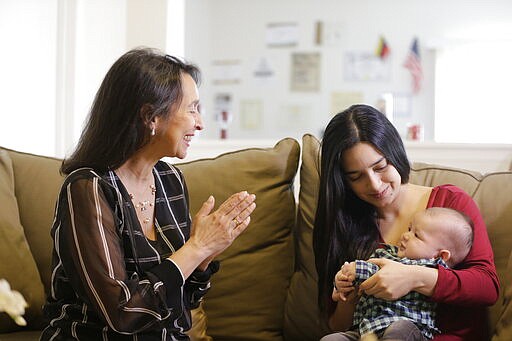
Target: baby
(436, 236)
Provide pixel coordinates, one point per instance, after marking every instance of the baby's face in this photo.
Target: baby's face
(424, 238)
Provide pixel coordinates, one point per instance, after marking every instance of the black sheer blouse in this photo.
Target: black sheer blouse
(108, 280)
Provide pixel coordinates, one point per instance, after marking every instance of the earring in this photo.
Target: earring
(153, 131)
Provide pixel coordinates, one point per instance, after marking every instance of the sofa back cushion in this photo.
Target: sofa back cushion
(246, 300)
(302, 317)
(37, 183)
(17, 264)
(504, 325)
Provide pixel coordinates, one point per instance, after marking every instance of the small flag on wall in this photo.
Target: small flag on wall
(382, 50)
(413, 64)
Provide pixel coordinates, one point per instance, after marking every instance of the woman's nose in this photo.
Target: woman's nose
(374, 181)
(199, 122)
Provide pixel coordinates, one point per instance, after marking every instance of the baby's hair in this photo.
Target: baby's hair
(461, 232)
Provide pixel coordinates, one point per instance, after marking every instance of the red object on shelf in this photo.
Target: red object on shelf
(224, 124)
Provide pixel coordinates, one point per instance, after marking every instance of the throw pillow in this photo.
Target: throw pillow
(38, 181)
(494, 198)
(504, 325)
(247, 297)
(17, 266)
(303, 291)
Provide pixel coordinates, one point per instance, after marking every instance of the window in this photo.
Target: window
(27, 65)
(473, 92)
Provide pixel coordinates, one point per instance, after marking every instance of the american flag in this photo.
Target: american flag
(413, 63)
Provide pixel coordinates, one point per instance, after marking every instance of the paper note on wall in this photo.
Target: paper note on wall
(226, 72)
(251, 114)
(282, 34)
(366, 66)
(330, 33)
(305, 72)
(293, 116)
(264, 73)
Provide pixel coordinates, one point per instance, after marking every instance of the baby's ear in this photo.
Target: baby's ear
(445, 255)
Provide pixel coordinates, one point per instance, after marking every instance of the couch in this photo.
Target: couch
(265, 289)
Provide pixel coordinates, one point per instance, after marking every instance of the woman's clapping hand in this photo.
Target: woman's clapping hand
(213, 232)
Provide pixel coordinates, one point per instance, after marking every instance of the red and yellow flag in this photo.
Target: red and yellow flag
(382, 50)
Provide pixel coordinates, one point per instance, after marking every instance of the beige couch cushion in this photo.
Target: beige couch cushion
(199, 324)
(248, 293)
(17, 265)
(433, 175)
(301, 312)
(494, 198)
(504, 325)
(37, 183)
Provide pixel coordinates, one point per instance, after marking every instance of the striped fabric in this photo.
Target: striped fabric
(108, 281)
(373, 314)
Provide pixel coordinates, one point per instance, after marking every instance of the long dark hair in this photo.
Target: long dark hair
(142, 84)
(346, 226)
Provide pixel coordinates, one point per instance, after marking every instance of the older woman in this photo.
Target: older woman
(128, 260)
(365, 198)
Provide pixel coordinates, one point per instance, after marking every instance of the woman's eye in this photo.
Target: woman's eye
(354, 178)
(381, 168)
(194, 109)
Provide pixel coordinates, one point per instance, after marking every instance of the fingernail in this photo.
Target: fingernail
(210, 198)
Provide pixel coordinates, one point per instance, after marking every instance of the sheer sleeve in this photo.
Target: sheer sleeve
(90, 248)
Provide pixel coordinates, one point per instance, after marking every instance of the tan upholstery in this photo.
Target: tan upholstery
(247, 297)
(504, 325)
(37, 184)
(302, 320)
(199, 325)
(266, 287)
(17, 264)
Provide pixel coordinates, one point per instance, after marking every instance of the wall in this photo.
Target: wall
(56, 52)
(235, 30)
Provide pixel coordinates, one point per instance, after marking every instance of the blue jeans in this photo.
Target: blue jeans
(403, 330)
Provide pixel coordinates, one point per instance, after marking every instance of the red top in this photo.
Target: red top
(464, 292)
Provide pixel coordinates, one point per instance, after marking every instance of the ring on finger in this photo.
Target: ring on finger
(237, 222)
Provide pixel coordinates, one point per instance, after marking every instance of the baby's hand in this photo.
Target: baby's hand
(343, 285)
(349, 270)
